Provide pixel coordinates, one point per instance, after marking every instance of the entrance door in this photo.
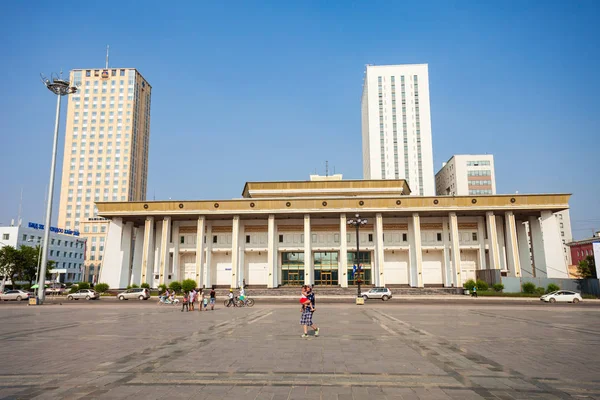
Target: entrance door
(326, 278)
(294, 278)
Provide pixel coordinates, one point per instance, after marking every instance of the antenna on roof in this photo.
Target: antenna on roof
(107, 48)
(326, 168)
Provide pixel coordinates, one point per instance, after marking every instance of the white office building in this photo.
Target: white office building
(66, 248)
(396, 126)
(466, 174)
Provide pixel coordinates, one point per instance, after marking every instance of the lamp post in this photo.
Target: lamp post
(357, 222)
(60, 88)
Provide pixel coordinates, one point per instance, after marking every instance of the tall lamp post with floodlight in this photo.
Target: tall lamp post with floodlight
(60, 88)
(357, 222)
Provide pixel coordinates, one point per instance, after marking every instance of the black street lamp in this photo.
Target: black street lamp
(357, 222)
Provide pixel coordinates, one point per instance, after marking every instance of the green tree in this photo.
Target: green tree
(28, 263)
(8, 264)
(101, 287)
(176, 286)
(587, 268)
(188, 285)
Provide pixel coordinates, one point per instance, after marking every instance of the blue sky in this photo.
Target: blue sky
(269, 91)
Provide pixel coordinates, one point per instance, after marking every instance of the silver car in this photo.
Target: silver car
(87, 294)
(135, 293)
(15, 295)
(377, 293)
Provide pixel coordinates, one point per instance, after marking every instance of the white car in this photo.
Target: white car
(377, 293)
(135, 293)
(87, 294)
(15, 295)
(562, 296)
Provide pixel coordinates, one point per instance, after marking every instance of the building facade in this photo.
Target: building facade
(581, 249)
(66, 250)
(290, 233)
(396, 126)
(466, 174)
(106, 150)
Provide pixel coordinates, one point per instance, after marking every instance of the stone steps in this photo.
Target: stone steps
(338, 291)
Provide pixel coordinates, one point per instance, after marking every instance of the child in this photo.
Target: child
(304, 300)
(205, 302)
(230, 298)
(186, 300)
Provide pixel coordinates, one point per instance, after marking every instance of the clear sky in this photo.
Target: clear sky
(270, 91)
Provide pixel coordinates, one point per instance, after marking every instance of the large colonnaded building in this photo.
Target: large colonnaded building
(289, 233)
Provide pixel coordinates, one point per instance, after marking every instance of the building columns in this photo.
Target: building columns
(416, 253)
(208, 263)
(164, 251)
(235, 252)
(148, 252)
(272, 250)
(455, 239)
(556, 266)
(481, 241)
(117, 257)
(537, 248)
(175, 272)
(309, 272)
(138, 254)
(199, 277)
(447, 271)
(501, 243)
(494, 250)
(524, 255)
(343, 259)
(379, 253)
(512, 245)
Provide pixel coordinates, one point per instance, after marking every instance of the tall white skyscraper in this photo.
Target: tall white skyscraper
(396, 126)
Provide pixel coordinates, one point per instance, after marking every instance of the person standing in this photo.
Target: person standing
(213, 298)
(306, 320)
(200, 299)
(192, 298)
(186, 299)
(474, 292)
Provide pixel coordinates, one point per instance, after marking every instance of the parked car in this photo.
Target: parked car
(56, 290)
(377, 293)
(562, 296)
(87, 294)
(136, 293)
(15, 295)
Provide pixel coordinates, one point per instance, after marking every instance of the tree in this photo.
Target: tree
(8, 264)
(28, 263)
(587, 268)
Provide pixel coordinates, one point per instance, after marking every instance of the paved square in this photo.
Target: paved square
(393, 350)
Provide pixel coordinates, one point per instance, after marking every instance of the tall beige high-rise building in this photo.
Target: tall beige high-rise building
(106, 152)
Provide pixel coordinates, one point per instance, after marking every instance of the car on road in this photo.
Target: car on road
(377, 293)
(56, 290)
(135, 293)
(562, 296)
(87, 294)
(15, 295)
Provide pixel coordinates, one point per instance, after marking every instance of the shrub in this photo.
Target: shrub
(134, 286)
(74, 288)
(162, 288)
(498, 287)
(101, 287)
(26, 286)
(83, 285)
(188, 285)
(145, 285)
(481, 285)
(552, 287)
(469, 285)
(69, 284)
(540, 290)
(176, 286)
(528, 287)
(128, 287)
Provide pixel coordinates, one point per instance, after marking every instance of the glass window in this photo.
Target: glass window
(280, 238)
(364, 273)
(326, 268)
(292, 268)
(474, 236)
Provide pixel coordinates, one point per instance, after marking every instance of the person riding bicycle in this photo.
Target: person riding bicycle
(242, 295)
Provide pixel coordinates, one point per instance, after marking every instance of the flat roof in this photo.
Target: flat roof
(348, 187)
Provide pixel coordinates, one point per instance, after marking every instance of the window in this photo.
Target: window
(439, 237)
(280, 238)
(247, 238)
(474, 236)
(5, 236)
(182, 239)
(370, 237)
(404, 237)
(561, 225)
(215, 239)
(122, 72)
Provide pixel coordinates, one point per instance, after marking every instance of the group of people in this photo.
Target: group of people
(307, 300)
(197, 296)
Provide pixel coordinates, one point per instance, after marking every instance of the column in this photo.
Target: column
(455, 242)
(501, 242)
(164, 251)
(309, 272)
(416, 254)
(200, 252)
(138, 254)
(524, 255)
(235, 251)
(447, 273)
(481, 241)
(494, 251)
(208, 255)
(512, 246)
(537, 248)
(175, 276)
(117, 257)
(343, 258)
(379, 253)
(148, 251)
(556, 266)
(157, 253)
(272, 250)
(241, 274)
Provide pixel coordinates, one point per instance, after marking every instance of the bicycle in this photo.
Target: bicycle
(234, 302)
(247, 302)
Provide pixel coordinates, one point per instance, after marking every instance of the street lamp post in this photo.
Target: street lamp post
(60, 88)
(357, 222)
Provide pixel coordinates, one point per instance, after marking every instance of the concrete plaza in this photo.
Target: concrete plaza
(392, 350)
